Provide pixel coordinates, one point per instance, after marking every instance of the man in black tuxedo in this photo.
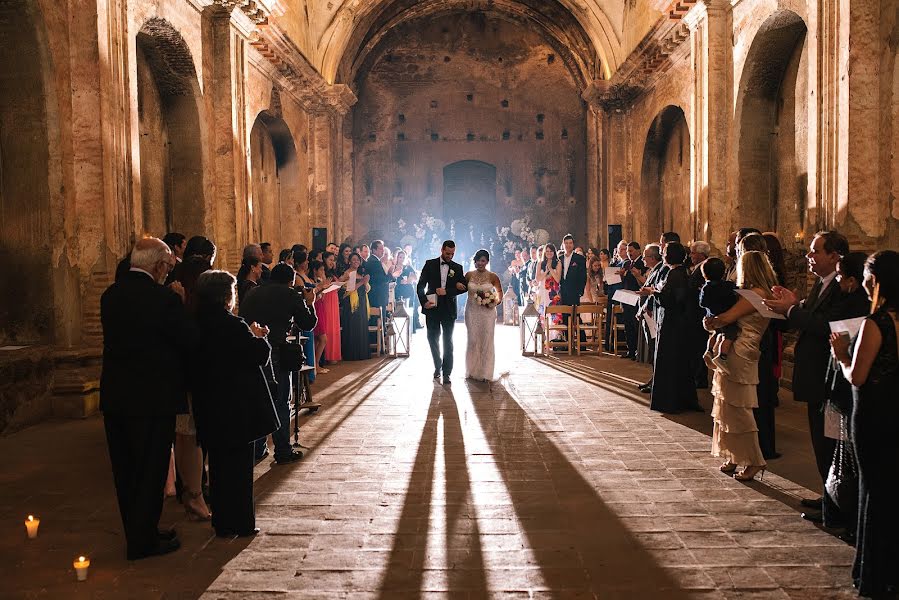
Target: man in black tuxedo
(574, 275)
(444, 279)
(147, 337)
(811, 318)
(632, 269)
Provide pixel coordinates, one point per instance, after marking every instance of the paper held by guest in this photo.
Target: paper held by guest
(628, 297)
(651, 325)
(611, 276)
(331, 288)
(351, 281)
(756, 301)
(848, 326)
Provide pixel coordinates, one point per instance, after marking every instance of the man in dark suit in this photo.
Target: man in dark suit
(631, 270)
(380, 280)
(146, 340)
(619, 255)
(699, 253)
(443, 280)
(524, 283)
(810, 318)
(531, 274)
(574, 275)
(279, 306)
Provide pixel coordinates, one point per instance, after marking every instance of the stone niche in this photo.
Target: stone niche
(471, 117)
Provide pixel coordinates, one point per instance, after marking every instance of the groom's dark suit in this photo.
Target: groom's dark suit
(443, 316)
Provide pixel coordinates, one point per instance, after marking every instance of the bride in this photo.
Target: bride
(480, 319)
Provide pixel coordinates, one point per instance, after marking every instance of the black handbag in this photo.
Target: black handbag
(842, 479)
(260, 417)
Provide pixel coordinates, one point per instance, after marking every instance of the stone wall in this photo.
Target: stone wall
(471, 88)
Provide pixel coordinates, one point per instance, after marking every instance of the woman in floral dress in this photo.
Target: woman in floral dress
(549, 277)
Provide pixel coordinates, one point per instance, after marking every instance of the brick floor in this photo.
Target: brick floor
(554, 482)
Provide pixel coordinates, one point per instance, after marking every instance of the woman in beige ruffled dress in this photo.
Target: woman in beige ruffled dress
(735, 436)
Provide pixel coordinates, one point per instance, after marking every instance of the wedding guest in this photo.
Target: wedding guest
(673, 387)
(365, 252)
(343, 259)
(306, 282)
(529, 272)
(811, 319)
(731, 257)
(872, 367)
(177, 243)
(252, 279)
(841, 513)
(735, 434)
(549, 274)
(580, 251)
(574, 275)
(777, 257)
(332, 248)
(233, 402)
(515, 267)
(267, 258)
(593, 289)
(280, 307)
(299, 248)
(286, 257)
(249, 251)
(646, 307)
(699, 253)
(617, 261)
(328, 310)
(379, 280)
(631, 273)
(405, 277)
(315, 256)
(147, 339)
(354, 314)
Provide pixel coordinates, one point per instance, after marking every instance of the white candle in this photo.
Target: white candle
(81, 564)
(31, 525)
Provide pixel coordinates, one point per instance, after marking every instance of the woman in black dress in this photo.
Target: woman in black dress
(673, 384)
(873, 371)
(354, 344)
(232, 401)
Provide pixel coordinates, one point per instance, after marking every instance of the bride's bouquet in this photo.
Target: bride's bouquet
(487, 298)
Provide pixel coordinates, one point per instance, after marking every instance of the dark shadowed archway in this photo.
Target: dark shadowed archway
(469, 198)
(278, 203)
(665, 178)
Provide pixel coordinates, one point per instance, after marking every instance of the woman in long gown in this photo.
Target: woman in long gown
(327, 308)
(873, 370)
(480, 320)
(549, 277)
(673, 384)
(354, 314)
(735, 382)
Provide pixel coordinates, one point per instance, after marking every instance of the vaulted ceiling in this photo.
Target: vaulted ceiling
(594, 35)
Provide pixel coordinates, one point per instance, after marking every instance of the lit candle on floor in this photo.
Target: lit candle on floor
(31, 525)
(81, 565)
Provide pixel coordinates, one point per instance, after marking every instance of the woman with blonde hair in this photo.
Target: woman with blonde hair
(734, 388)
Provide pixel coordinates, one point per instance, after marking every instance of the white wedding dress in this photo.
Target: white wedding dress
(480, 321)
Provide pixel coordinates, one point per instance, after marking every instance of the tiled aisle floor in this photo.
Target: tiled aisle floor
(554, 482)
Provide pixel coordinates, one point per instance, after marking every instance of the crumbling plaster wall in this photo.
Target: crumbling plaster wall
(474, 87)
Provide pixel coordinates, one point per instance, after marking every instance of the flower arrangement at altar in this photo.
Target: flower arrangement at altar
(425, 236)
(488, 298)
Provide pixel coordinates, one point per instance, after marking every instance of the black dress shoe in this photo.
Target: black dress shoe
(256, 461)
(161, 547)
(446, 380)
(645, 388)
(437, 374)
(813, 516)
(294, 456)
(166, 534)
(229, 533)
(812, 502)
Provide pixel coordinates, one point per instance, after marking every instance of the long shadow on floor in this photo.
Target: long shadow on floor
(462, 565)
(575, 543)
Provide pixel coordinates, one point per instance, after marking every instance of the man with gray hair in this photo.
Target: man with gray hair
(652, 259)
(146, 339)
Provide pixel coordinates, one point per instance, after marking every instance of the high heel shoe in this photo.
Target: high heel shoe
(194, 514)
(728, 468)
(749, 473)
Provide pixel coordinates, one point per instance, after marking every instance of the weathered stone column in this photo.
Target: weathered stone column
(596, 198)
(711, 51)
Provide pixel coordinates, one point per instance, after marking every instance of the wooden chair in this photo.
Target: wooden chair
(588, 328)
(376, 328)
(564, 328)
(618, 338)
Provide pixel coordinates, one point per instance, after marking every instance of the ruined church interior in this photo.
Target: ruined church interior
(503, 125)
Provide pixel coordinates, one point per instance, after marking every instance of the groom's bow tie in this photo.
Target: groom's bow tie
(443, 263)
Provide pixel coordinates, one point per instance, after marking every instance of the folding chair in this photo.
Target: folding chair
(563, 327)
(376, 328)
(619, 340)
(588, 325)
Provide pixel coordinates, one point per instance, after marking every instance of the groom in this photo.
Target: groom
(442, 280)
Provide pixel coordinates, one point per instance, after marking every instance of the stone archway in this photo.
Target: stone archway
(665, 178)
(469, 198)
(772, 121)
(171, 157)
(26, 290)
(278, 207)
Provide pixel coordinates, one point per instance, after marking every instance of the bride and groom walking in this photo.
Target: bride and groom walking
(441, 280)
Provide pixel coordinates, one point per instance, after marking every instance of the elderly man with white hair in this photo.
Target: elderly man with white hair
(146, 338)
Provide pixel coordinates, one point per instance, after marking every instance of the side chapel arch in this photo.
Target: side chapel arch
(665, 178)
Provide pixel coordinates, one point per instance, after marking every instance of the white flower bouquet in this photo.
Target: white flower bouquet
(488, 298)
